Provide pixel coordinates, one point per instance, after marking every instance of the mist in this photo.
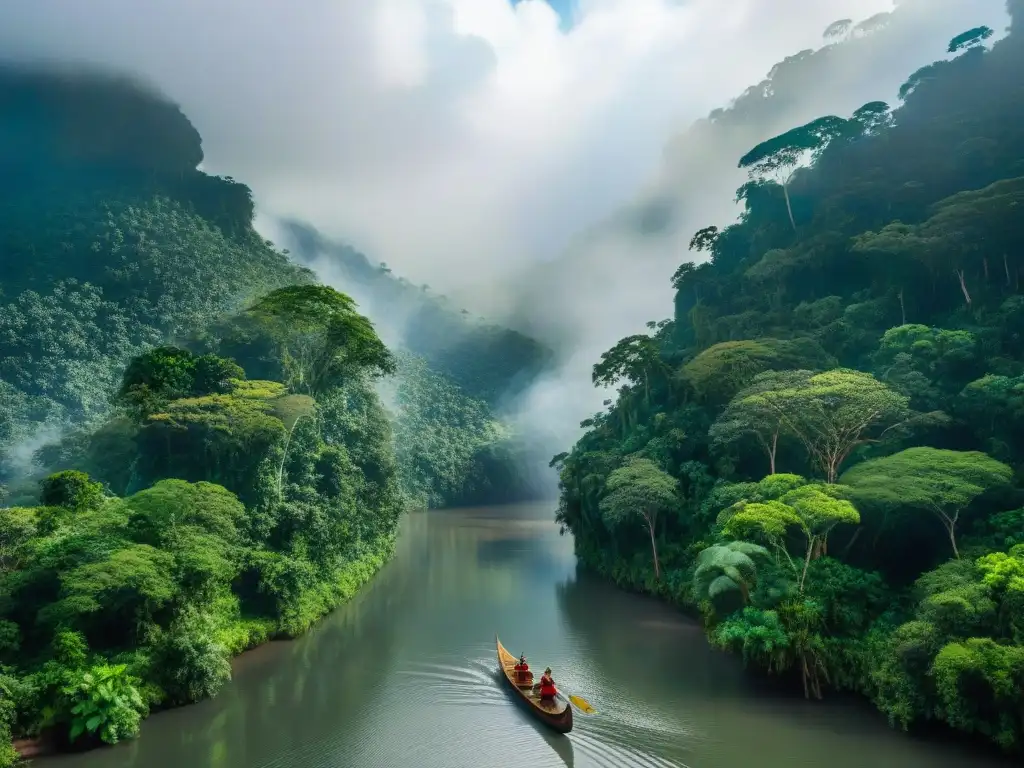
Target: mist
(510, 159)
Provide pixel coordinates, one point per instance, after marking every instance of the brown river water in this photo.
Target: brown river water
(405, 676)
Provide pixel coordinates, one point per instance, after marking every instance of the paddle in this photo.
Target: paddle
(583, 704)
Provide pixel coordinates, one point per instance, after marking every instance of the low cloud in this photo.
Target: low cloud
(465, 142)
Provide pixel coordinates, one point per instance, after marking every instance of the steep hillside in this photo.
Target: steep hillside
(458, 379)
(486, 361)
(227, 471)
(820, 451)
(101, 206)
(577, 299)
(112, 241)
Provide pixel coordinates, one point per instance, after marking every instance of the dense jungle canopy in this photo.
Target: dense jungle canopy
(820, 451)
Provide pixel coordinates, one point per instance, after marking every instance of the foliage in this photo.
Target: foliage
(725, 568)
(638, 488)
(891, 239)
(322, 338)
(451, 450)
(72, 489)
(105, 702)
(938, 481)
(166, 373)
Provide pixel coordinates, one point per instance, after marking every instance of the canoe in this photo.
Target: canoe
(556, 714)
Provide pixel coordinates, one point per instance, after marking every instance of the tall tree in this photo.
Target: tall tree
(636, 359)
(938, 481)
(811, 509)
(639, 488)
(749, 415)
(778, 158)
(835, 412)
(322, 338)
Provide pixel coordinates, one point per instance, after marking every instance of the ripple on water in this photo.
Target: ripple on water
(603, 740)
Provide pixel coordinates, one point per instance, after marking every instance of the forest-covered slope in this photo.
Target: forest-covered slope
(196, 447)
(821, 450)
(112, 241)
(458, 379)
(486, 361)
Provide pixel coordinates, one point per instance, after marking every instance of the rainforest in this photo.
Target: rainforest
(195, 453)
(210, 439)
(819, 453)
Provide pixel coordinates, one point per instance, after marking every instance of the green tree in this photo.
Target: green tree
(18, 526)
(969, 39)
(729, 567)
(71, 489)
(636, 359)
(812, 510)
(639, 488)
(834, 412)
(720, 371)
(779, 157)
(938, 481)
(322, 338)
(749, 415)
(167, 373)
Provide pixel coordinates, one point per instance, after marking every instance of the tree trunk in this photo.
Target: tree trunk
(1006, 269)
(772, 451)
(654, 547)
(949, 523)
(963, 287)
(984, 265)
(807, 562)
(831, 470)
(903, 309)
(789, 208)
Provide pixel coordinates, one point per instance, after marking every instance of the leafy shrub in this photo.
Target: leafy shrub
(192, 665)
(104, 702)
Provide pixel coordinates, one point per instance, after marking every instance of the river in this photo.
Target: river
(404, 676)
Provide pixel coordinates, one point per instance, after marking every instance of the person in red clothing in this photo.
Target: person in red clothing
(547, 687)
(522, 670)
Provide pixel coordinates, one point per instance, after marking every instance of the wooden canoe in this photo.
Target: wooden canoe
(556, 714)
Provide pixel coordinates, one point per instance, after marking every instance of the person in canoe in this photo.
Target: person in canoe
(522, 670)
(546, 687)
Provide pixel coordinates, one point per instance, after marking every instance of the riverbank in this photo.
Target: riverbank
(247, 634)
(674, 589)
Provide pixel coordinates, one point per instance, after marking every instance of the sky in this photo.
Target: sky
(566, 10)
(465, 142)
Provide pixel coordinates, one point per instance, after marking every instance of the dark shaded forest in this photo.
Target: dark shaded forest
(201, 448)
(820, 452)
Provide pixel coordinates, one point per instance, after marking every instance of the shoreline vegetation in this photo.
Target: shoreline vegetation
(351, 578)
(819, 454)
(252, 509)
